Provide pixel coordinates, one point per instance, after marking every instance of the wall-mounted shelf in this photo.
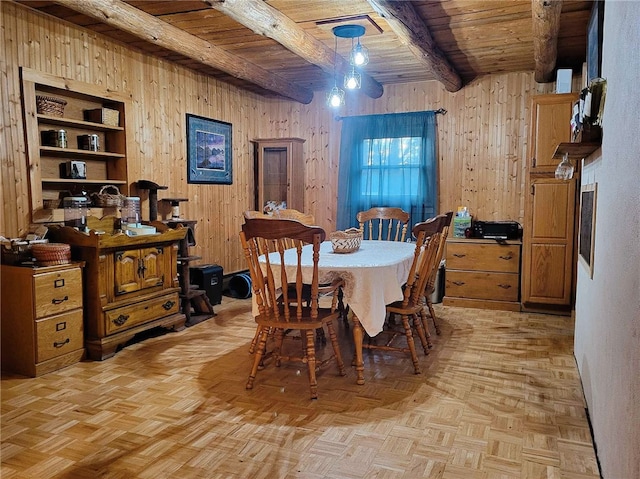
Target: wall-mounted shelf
(575, 150)
(47, 164)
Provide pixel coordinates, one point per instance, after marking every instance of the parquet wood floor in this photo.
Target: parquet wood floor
(499, 397)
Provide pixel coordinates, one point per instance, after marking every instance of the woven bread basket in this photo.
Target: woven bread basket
(50, 254)
(108, 196)
(346, 241)
(48, 105)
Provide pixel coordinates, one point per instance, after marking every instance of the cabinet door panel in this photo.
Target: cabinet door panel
(152, 260)
(127, 272)
(553, 201)
(550, 126)
(552, 280)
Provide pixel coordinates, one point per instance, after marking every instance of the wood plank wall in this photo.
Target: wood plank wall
(482, 138)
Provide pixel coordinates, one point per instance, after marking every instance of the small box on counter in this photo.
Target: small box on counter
(460, 224)
(106, 116)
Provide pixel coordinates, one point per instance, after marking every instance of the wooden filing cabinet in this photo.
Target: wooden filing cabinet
(42, 325)
(483, 274)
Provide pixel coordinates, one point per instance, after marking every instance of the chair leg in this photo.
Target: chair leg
(433, 316)
(277, 348)
(262, 346)
(311, 364)
(410, 343)
(254, 341)
(425, 327)
(336, 348)
(419, 327)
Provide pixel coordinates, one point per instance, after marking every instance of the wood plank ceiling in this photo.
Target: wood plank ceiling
(286, 48)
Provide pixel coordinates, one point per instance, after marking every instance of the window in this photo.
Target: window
(387, 160)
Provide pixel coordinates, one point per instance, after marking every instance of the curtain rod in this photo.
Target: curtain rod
(439, 111)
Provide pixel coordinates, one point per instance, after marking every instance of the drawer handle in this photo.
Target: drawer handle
(458, 255)
(508, 257)
(59, 301)
(168, 305)
(59, 344)
(458, 283)
(120, 320)
(504, 286)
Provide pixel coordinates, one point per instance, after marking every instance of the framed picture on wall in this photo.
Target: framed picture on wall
(594, 41)
(586, 232)
(208, 151)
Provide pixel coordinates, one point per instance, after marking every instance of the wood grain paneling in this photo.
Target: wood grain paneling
(482, 138)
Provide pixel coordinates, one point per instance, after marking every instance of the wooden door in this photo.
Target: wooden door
(549, 242)
(280, 172)
(550, 126)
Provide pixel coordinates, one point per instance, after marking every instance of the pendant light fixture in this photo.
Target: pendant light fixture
(335, 97)
(358, 56)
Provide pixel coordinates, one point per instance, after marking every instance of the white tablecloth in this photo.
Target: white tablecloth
(373, 275)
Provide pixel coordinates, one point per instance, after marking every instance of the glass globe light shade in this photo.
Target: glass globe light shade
(352, 80)
(335, 97)
(564, 171)
(359, 55)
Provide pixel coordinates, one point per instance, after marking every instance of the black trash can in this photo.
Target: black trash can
(438, 285)
(208, 278)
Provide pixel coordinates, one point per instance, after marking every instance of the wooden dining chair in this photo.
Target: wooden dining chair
(411, 306)
(326, 289)
(444, 225)
(383, 223)
(273, 285)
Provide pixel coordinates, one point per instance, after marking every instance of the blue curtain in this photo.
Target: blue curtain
(388, 160)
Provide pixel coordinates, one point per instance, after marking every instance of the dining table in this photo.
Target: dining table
(373, 276)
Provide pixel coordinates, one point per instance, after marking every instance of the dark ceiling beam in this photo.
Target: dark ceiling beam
(263, 19)
(412, 32)
(123, 16)
(546, 26)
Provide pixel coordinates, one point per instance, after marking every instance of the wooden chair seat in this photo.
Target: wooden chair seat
(272, 287)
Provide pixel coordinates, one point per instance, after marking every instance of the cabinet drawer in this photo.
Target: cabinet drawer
(480, 285)
(123, 318)
(483, 257)
(59, 335)
(57, 292)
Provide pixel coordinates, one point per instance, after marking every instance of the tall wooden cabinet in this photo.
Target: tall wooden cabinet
(279, 172)
(131, 283)
(107, 166)
(550, 207)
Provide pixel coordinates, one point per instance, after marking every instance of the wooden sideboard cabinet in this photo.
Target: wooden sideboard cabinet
(483, 274)
(42, 328)
(131, 284)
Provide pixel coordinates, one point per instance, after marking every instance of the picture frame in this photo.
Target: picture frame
(209, 151)
(594, 41)
(587, 228)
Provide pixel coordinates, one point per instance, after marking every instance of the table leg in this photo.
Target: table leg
(357, 341)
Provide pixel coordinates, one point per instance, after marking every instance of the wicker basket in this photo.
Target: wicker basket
(346, 241)
(48, 105)
(50, 254)
(109, 196)
(106, 116)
